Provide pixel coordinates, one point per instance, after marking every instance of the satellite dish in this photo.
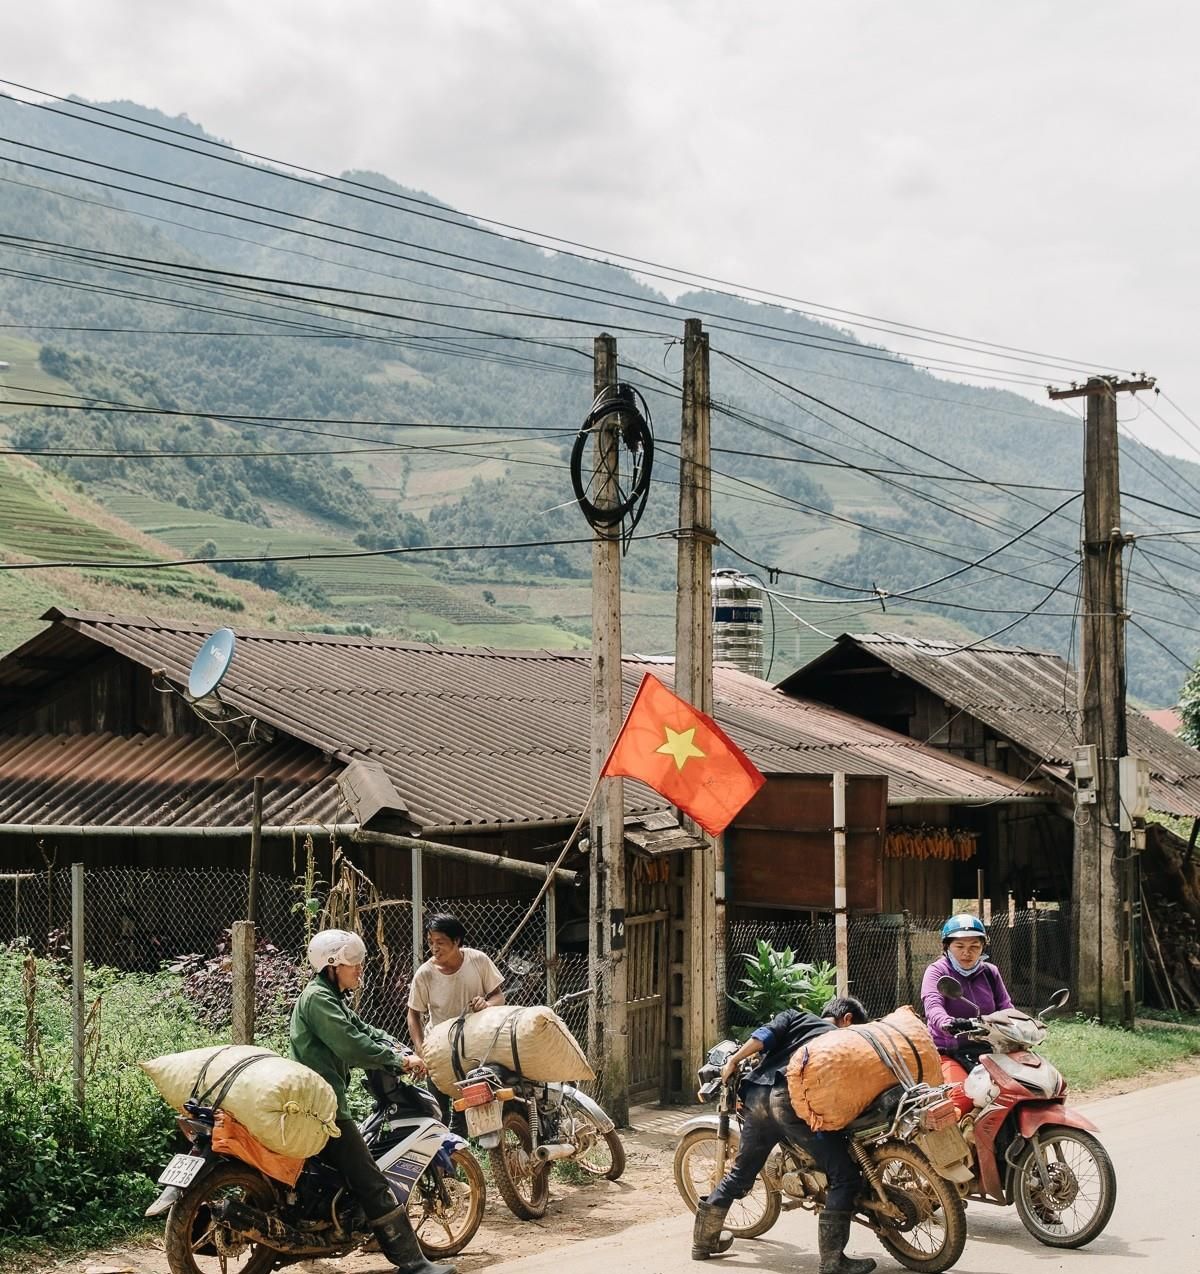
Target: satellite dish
(211, 663)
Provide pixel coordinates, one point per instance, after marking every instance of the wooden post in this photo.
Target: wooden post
(704, 931)
(608, 1027)
(841, 927)
(908, 959)
(1104, 870)
(77, 983)
(242, 1008)
(255, 850)
(979, 892)
(551, 946)
(417, 899)
(1033, 955)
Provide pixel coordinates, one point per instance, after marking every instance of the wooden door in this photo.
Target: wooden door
(646, 956)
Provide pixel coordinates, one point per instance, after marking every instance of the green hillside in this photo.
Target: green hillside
(339, 368)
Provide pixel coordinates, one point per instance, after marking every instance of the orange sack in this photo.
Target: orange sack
(836, 1076)
(231, 1138)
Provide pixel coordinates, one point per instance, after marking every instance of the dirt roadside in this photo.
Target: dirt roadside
(591, 1210)
(645, 1192)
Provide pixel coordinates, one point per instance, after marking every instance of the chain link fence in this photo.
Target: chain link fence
(889, 953)
(141, 920)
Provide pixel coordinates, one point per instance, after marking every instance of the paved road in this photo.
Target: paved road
(1153, 1137)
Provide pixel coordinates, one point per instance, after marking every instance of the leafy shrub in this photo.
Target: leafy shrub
(776, 980)
(207, 983)
(91, 1170)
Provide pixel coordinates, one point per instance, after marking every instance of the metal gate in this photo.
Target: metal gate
(646, 960)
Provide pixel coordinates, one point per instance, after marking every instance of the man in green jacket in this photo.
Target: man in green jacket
(327, 1036)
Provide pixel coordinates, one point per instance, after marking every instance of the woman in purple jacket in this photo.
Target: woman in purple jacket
(964, 941)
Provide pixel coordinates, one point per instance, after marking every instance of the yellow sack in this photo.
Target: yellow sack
(833, 1078)
(286, 1106)
(534, 1041)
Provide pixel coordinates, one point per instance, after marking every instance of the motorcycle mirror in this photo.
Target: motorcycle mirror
(952, 988)
(519, 965)
(1057, 1000)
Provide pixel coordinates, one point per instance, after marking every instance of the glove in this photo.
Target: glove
(960, 1025)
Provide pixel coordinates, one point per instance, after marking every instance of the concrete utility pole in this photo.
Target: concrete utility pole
(703, 972)
(608, 1027)
(1105, 870)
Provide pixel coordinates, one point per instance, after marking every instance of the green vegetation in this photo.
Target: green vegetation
(1089, 1054)
(776, 980)
(70, 1173)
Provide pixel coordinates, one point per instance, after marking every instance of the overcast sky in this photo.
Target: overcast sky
(1018, 172)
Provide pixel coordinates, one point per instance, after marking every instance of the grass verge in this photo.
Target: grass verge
(1089, 1054)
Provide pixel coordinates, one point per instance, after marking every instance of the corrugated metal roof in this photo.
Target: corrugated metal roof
(484, 736)
(159, 781)
(1028, 696)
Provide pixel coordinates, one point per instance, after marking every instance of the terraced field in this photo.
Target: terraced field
(384, 592)
(36, 522)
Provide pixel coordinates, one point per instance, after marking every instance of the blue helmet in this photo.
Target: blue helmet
(964, 925)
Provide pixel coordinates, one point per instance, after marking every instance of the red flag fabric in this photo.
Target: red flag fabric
(683, 755)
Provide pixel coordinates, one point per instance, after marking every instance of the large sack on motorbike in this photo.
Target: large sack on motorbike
(833, 1078)
(284, 1105)
(229, 1137)
(533, 1041)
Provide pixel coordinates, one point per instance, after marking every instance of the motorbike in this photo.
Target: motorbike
(907, 1144)
(1029, 1148)
(526, 1126)
(224, 1215)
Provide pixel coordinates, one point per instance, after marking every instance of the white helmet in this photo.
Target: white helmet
(335, 946)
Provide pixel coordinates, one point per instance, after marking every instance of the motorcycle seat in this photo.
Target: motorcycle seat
(880, 1111)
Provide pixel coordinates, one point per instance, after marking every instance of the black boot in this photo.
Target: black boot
(833, 1233)
(398, 1242)
(707, 1237)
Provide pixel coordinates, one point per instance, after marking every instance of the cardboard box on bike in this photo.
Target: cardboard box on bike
(284, 1105)
(833, 1078)
(534, 1041)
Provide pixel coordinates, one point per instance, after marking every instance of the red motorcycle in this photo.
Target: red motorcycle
(1029, 1147)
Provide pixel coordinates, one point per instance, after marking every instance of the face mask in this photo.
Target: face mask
(966, 973)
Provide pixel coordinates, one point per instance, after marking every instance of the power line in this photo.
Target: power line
(468, 222)
(337, 555)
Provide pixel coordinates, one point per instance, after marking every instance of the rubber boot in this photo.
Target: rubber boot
(833, 1233)
(398, 1242)
(707, 1236)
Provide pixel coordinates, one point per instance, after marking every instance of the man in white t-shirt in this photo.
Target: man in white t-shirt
(453, 981)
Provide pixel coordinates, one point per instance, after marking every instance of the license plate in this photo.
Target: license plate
(482, 1120)
(181, 1171)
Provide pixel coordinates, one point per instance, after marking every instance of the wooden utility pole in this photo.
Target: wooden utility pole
(608, 1027)
(840, 921)
(703, 972)
(1105, 871)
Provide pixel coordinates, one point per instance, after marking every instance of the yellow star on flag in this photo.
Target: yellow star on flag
(679, 746)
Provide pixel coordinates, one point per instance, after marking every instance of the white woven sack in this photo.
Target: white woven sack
(288, 1107)
(546, 1049)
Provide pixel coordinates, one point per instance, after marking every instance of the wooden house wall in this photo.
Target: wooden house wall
(779, 850)
(109, 694)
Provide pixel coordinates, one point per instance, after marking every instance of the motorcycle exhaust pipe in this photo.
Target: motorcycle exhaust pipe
(547, 1154)
(270, 1231)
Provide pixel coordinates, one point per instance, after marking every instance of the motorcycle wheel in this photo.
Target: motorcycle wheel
(696, 1159)
(601, 1154)
(445, 1210)
(931, 1237)
(1083, 1188)
(524, 1184)
(195, 1244)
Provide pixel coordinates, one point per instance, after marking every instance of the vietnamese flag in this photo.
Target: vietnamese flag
(683, 755)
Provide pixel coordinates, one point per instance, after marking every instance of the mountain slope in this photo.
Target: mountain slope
(457, 365)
